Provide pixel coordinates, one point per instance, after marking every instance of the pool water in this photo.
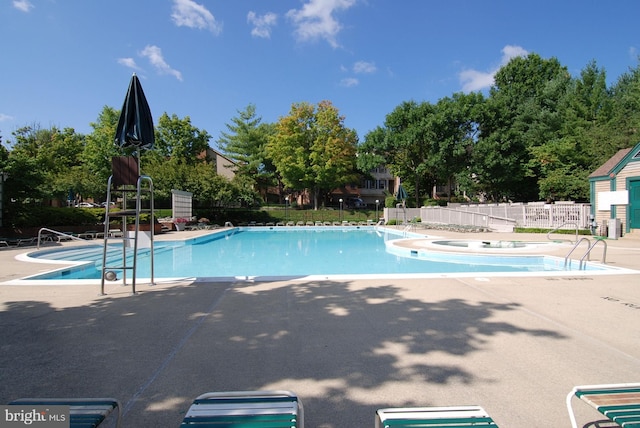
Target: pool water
(290, 252)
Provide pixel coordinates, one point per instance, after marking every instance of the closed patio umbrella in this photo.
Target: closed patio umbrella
(402, 194)
(135, 126)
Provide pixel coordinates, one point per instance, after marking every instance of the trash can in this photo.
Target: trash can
(615, 228)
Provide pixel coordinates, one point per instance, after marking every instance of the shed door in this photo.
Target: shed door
(634, 204)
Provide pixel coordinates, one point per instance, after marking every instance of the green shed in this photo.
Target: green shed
(615, 192)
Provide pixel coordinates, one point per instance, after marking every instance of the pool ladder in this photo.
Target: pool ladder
(407, 229)
(587, 254)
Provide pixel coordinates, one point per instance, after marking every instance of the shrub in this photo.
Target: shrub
(35, 216)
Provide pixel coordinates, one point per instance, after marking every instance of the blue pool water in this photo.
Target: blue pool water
(290, 252)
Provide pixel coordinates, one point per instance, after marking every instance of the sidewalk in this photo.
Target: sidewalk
(515, 346)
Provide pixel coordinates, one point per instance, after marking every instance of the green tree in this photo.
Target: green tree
(178, 138)
(99, 149)
(54, 153)
(245, 143)
(372, 152)
(312, 149)
(455, 125)
(521, 113)
(624, 127)
(568, 155)
(408, 144)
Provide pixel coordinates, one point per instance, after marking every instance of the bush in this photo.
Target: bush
(390, 201)
(36, 216)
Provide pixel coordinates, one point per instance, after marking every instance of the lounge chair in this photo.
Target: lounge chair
(115, 233)
(83, 412)
(618, 402)
(26, 241)
(434, 417)
(274, 409)
(89, 234)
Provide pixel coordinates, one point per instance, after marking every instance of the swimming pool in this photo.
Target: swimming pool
(297, 252)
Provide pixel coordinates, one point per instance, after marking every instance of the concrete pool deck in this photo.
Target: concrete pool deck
(514, 345)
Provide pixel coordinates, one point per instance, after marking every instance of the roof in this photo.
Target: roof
(606, 168)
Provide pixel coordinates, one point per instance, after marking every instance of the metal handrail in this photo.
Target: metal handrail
(57, 233)
(566, 259)
(407, 229)
(559, 227)
(591, 247)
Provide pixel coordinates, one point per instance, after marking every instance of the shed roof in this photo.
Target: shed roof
(606, 168)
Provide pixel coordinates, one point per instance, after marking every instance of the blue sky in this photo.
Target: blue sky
(63, 60)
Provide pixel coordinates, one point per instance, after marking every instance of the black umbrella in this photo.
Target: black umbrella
(135, 126)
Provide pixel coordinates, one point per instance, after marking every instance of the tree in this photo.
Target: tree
(99, 149)
(408, 144)
(52, 154)
(521, 113)
(372, 152)
(624, 126)
(569, 153)
(178, 138)
(245, 144)
(455, 125)
(312, 149)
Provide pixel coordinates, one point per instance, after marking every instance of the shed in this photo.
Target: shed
(615, 190)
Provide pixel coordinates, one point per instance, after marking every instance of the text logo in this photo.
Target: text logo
(36, 416)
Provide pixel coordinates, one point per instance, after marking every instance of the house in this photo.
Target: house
(615, 191)
(224, 166)
(376, 188)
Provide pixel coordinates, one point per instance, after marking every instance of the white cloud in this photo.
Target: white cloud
(23, 5)
(316, 20)
(128, 62)
(5, 117)
(633, 53)
(509, 52)
(262, 24)
(474, 80)
(349, 82)
(154, 54)
(364, 67)
(188, 13)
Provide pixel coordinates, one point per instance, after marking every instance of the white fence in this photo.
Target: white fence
(499, 216)
(181, 203)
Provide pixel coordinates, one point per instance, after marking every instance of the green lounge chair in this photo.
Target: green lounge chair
(618, 402)
(433, 417)
(258, 409)
(83, 412)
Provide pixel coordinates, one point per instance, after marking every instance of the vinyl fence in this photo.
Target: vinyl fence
(499, 216)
